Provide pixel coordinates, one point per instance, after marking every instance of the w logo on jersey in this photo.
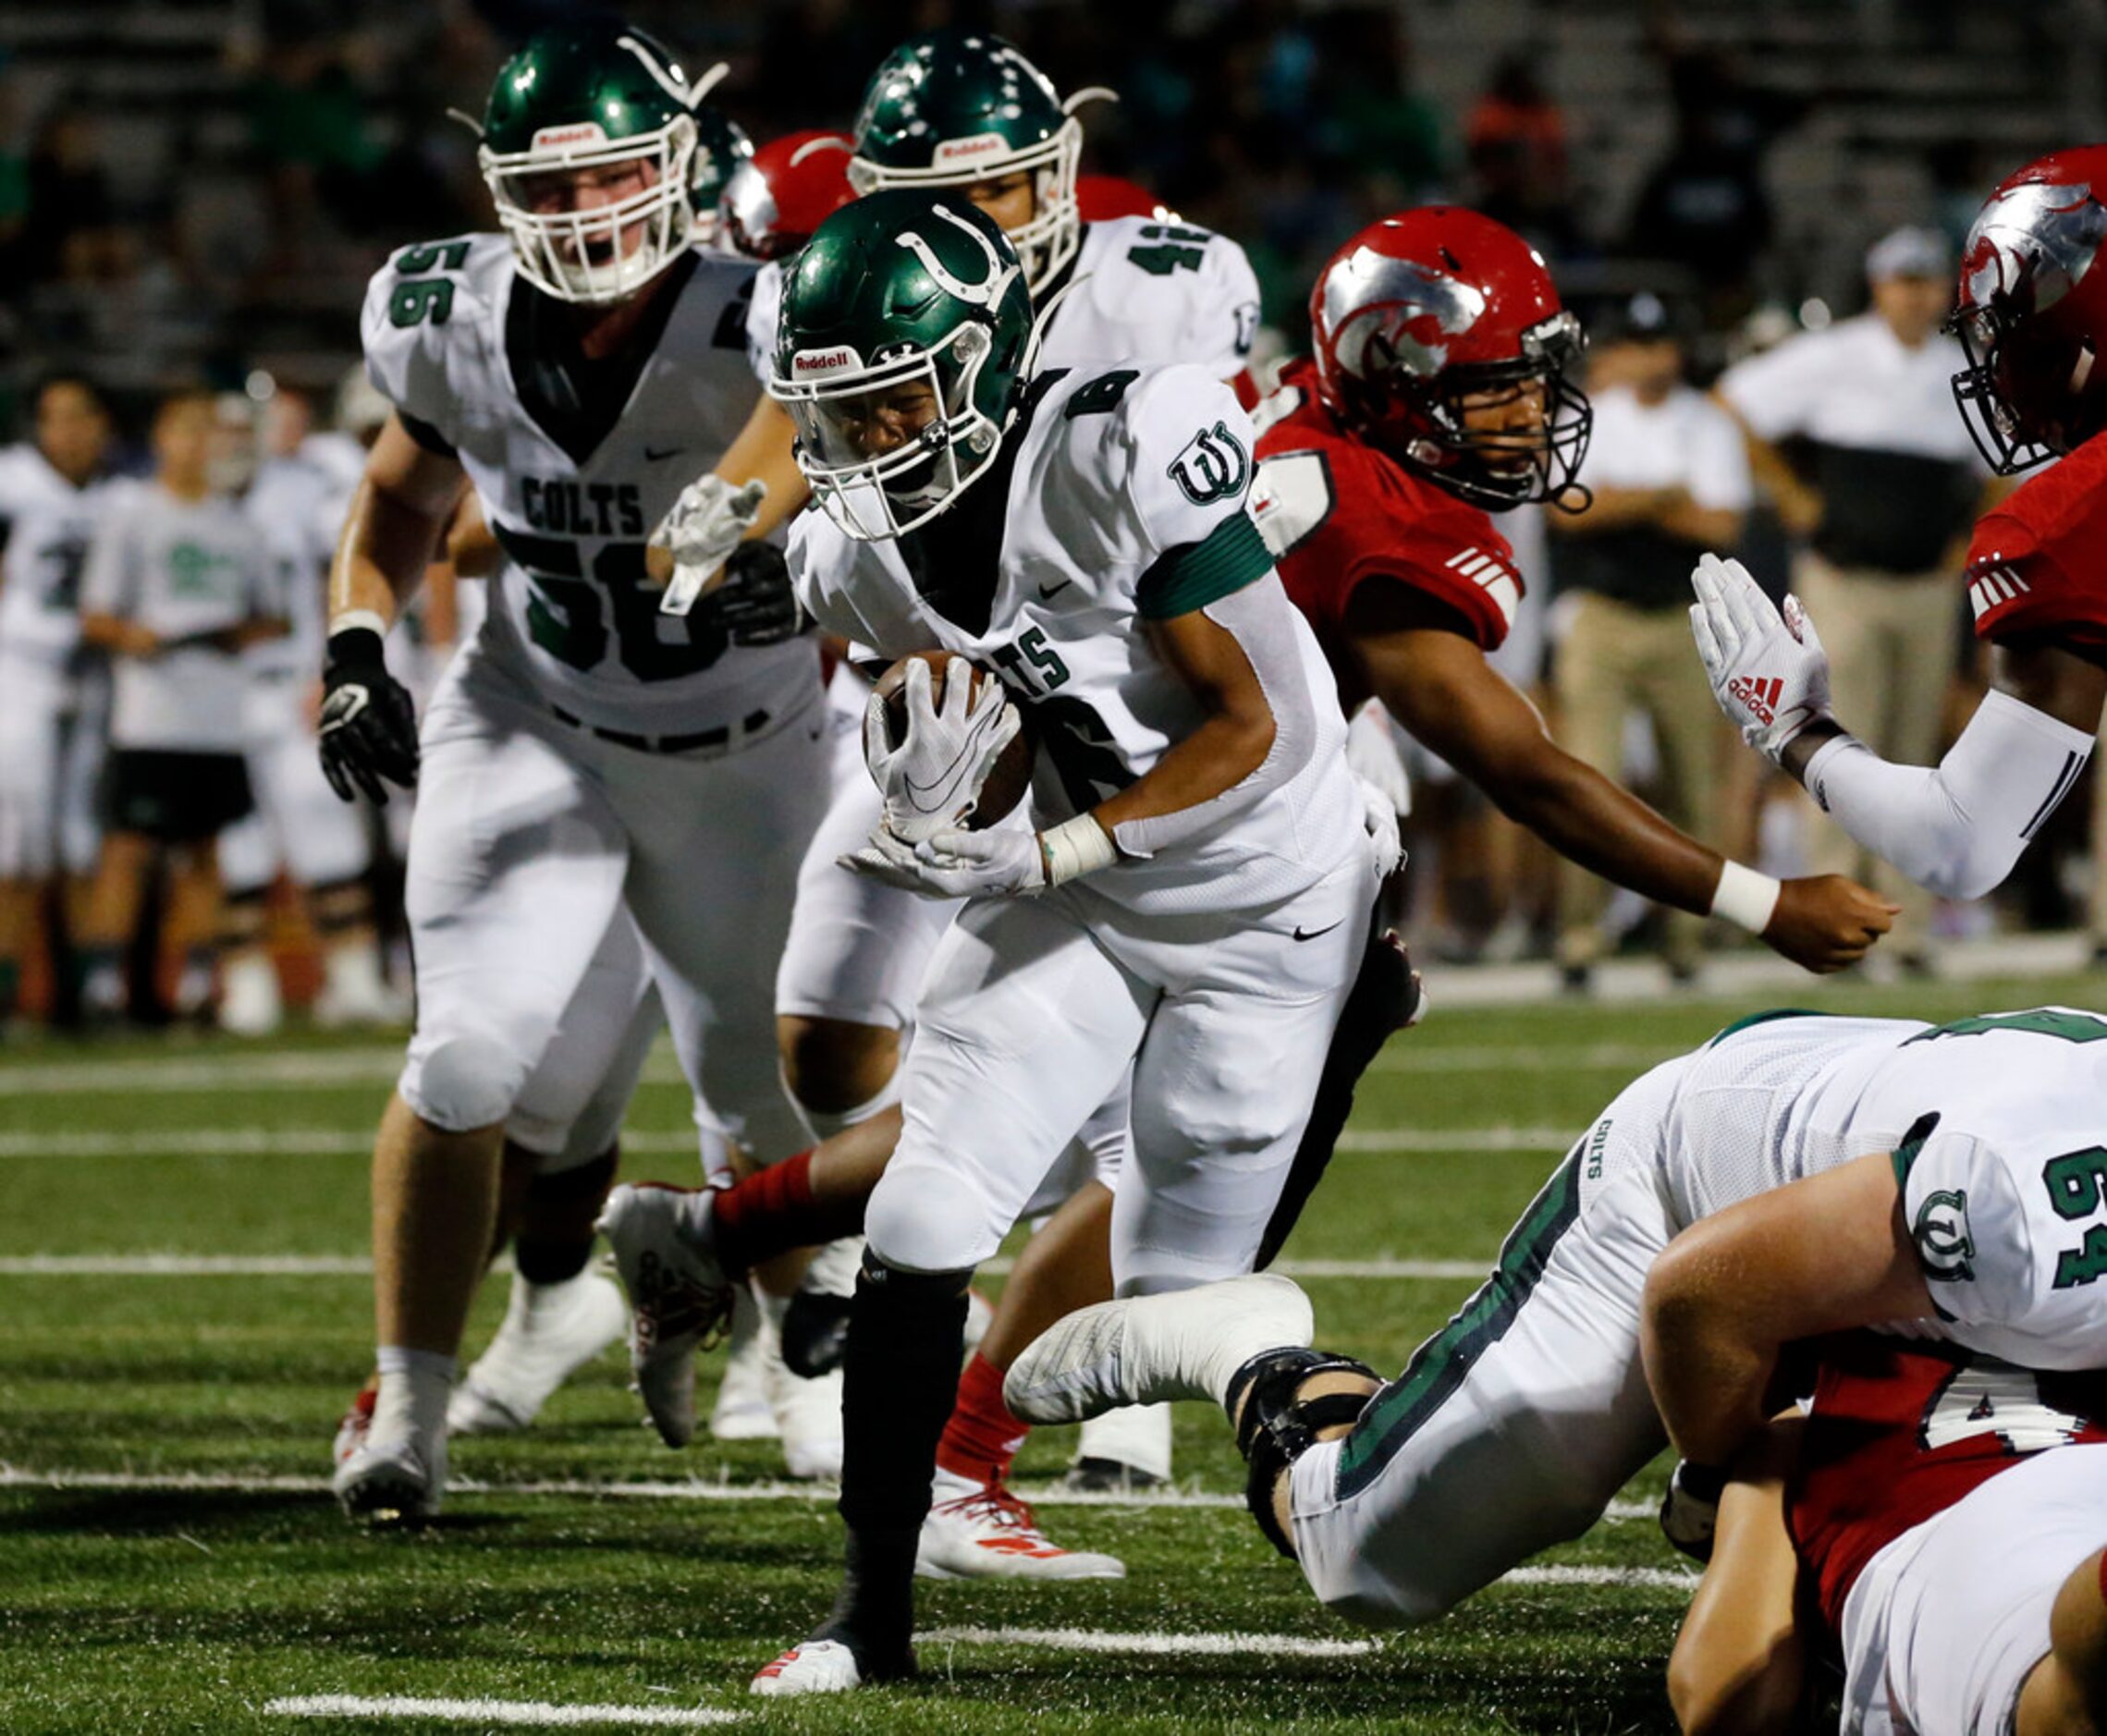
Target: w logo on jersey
(1214, 466)
(1759, 694)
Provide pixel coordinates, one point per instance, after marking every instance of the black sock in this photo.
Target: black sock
(899, 1376)
(555, 1233)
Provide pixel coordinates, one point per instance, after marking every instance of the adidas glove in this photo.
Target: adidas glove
(368, 725)
(1768, 670)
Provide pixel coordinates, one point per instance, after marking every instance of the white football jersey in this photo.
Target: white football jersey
(1139, 289)
(1112, 472)
(49, 525)
(1998, 1130)
(297, 503)
(186, 568)
(571, 614)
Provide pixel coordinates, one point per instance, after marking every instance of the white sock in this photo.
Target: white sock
(414, 1386)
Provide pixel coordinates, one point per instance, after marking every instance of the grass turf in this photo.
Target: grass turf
(131, 1608)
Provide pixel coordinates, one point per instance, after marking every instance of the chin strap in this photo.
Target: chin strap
(1277, 1428)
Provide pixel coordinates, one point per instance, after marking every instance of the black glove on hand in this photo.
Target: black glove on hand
(1690, 1510)
(369, 723)
(754, 602)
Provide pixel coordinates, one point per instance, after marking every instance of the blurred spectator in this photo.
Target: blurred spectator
(177, 586)
(71, 234)
(1516, 142)
(1705, 207)
(53, 491)
(1893, 484)
(1670, 480)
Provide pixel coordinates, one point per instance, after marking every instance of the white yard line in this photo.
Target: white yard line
(1154, 1645)
(694, 1490)
(354, 1265)
(542, 1713)
(133, 1143)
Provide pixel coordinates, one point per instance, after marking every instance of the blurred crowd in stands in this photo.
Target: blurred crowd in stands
(201, 198)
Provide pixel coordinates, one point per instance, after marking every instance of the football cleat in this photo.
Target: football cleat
(393, 1482)
(981, 1531)
(357, 1422)
(741, 1410)
(681, 1299)
(1183, 1344)
(808, 1417)
(821, 1666)
(1092, 1475)
(248, 1000)
(550, 1330)
(1124, 1450)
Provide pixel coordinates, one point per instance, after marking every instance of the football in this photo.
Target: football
(1010, 777)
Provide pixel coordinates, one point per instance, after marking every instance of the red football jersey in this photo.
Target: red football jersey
(1336, 512)
(1900, 1432)
(2037, 562)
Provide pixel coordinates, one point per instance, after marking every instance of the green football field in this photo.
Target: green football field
(184, 1312)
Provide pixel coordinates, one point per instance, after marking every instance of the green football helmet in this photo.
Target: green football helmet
(905, 342)
(593, 97)
(721, 145)
(955, 107)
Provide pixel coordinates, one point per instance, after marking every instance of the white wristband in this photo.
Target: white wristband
(1745, 898)
(352, 618)
(1075, 847)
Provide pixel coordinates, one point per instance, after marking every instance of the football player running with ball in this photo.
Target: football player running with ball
(2032, 315)
(592, 771)
(1194, 889)
(1438, 395)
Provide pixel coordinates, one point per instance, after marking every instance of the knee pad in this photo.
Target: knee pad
(1277, 1428)
(459, 1084)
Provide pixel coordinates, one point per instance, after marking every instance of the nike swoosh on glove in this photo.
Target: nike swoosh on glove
(709, 520)
(1768, 670)
(931, 782)
(367, 730)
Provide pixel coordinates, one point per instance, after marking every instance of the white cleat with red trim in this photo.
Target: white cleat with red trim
(815, 1666)
(981, 1531)
(682, 1301)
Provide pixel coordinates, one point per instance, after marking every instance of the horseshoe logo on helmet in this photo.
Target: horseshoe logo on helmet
(987, 293)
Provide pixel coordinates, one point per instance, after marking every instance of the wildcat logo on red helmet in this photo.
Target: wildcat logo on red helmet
(1385, 313)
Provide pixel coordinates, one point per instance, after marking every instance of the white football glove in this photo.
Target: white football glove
(932, 781)
(955, 864)
(1767, 671)
(1379, 815)
(709, 520)
(1372, 751)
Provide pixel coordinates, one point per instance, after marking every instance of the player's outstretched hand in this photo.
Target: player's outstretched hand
(368, 725)
(955, 864)
(1768, 670)
(709, 520)
(1825, 922)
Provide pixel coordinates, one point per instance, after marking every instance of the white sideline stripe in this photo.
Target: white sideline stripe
(1667, 1576)
(358, 1142)
(302, 1069)
(1052, 1495)
(1154, 1645)
(537, 1712)
(355, 1266)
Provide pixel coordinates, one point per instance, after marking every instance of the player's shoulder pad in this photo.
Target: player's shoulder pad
(1187, 437)
(822, 561)
(764, 317)
(18, 470)
(1965, 1210)
(431, 302)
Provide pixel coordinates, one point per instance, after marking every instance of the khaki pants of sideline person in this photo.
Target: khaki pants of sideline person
(1892, 645)
(1614, 659)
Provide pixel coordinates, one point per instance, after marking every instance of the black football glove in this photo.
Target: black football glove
(1690, 1510)
(754, 602)
(369, 723)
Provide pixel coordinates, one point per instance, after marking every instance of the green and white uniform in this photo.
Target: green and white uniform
(588, 761)
(1120, 501)
(1513, 1427)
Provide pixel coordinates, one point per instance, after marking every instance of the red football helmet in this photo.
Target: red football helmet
(785, 190)
(1100, 198)
(2032, 312)
(1427, 309)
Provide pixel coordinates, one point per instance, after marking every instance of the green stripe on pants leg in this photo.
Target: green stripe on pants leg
(1439, 1367)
